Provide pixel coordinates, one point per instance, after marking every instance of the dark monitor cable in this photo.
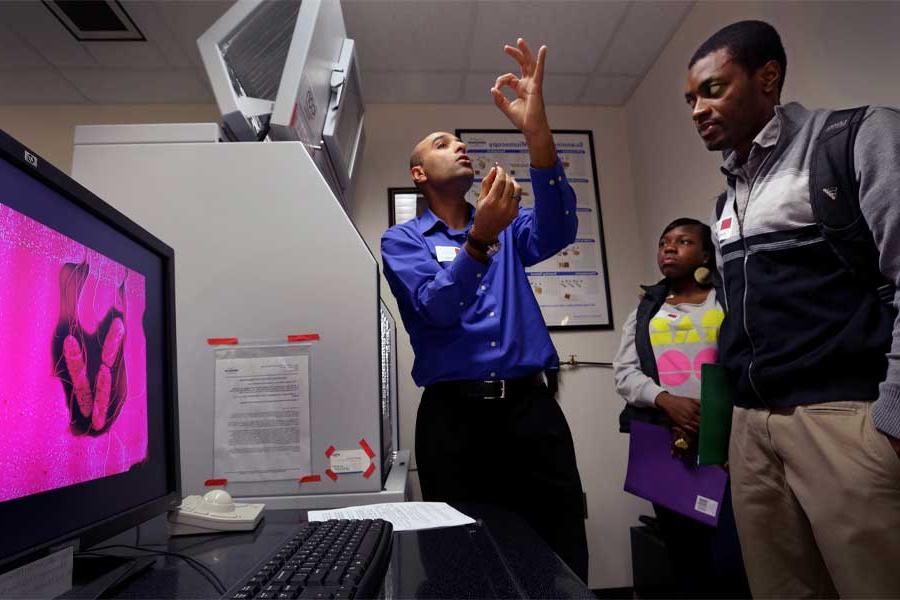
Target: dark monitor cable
(197, 565)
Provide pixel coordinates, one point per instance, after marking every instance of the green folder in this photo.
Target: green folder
(716, 403)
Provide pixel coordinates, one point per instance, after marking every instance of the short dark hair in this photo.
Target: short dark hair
(705, 233)
(751, 44)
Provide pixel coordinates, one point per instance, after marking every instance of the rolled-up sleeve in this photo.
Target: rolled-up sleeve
(552, 224)
(636, 388)
(421, 285)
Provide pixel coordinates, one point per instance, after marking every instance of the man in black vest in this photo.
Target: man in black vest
(812, 348)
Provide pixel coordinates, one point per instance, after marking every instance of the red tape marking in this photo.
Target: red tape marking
(304, 337)
(214, 482)
(331, 474)
(369, 471)
(311, 479)
(366, 448)
(222, 341)
(329, 451)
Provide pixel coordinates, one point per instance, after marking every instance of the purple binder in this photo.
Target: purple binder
(655, 475)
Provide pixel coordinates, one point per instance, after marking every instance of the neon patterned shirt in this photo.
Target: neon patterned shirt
(683, 337)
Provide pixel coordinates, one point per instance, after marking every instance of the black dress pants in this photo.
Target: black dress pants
(706, 561)
(516, 452)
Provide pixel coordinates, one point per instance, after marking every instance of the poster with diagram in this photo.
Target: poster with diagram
(571, 287)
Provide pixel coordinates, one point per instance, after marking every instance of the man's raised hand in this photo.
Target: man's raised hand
(526, 110)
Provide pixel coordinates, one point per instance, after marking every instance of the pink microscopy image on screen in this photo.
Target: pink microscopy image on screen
(73, 361)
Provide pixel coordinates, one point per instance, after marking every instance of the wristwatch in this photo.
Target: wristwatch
(489, 248)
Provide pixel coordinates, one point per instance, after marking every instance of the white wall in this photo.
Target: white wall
(840, 54)
(587, 395)
(50, 130)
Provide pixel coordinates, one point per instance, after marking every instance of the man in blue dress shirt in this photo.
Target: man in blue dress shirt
(488, 428)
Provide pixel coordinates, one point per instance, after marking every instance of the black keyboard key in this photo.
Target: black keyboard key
(283, 576)
(352, 575)
(335, 575)
(322, 593)
(266, 596)
(345, 593)
(317, 577)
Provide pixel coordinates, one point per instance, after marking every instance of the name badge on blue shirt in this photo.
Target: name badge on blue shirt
(446, 253)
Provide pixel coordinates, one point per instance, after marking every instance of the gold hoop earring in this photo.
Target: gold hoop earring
(703, 276)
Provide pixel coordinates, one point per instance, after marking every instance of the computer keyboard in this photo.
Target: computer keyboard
(341, 559)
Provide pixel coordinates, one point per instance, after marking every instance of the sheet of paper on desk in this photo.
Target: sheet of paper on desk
(404, 516)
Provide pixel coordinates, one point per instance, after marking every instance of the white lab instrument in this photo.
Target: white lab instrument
(213, 512)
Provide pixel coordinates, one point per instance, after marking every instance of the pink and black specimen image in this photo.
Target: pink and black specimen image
(73, 361)
(90, 366)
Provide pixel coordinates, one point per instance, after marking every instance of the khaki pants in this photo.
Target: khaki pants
(816, 493)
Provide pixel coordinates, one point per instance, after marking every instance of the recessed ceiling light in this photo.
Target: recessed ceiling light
(95, 20)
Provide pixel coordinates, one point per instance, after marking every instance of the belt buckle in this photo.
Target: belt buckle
(502, 395)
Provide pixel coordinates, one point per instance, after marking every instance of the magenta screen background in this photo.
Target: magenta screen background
(38, 452)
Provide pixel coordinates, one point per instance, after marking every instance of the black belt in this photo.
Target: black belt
(489, 389)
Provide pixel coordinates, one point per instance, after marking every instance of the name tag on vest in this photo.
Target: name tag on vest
(725, 227)
(446, 253)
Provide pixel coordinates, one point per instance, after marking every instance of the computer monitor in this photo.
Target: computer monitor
(88, 409)
(285, 70)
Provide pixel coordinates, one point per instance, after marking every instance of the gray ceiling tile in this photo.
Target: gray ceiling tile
(14, 52)
(405, 34)
(575, 32)
(33, 22)
(610, 90)
(149, 18)
(129, 86)
(642, 36)
(37, 86)
(411, 87)
(189, 19)
(558, 89)
(137, 55)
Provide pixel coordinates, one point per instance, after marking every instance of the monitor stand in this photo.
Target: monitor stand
(98, 576)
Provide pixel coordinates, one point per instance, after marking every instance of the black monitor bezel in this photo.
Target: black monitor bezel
(31, 163)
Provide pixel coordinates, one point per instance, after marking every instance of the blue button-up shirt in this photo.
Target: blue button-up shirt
(468, 320)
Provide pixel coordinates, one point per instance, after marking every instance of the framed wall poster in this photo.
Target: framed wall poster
(404, 204)
(572, 287)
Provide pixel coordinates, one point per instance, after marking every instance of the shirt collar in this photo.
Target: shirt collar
(787, 118)
(428, 220)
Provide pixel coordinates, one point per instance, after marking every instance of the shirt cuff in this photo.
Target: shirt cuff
(647, 395)
(549, 176)
(886, 410)
(468, 272)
